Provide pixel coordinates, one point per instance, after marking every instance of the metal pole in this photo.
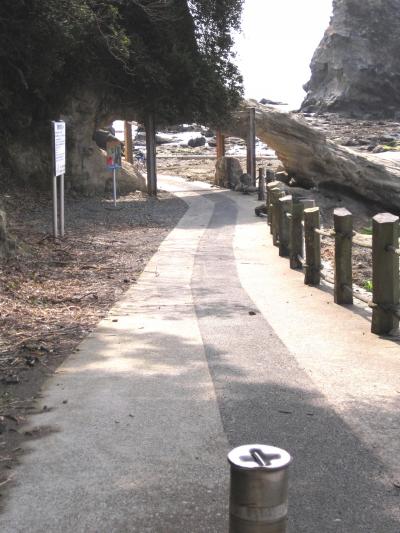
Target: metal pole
(252, 145)
(62, 218)
(259, 489)
(114, 187)
(55, 210)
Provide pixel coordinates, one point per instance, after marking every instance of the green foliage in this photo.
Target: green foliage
(366, 230)
(368, 285)
(171, 57)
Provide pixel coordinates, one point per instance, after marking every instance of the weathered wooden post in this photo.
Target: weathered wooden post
(343, 225)
(313, 246)
(220, 144)
(285, 208)
(128, 141)
(275, 195)
(151, 155)
(307, 203)
(385, 272)
(270, 186)
(296, 235)
(261, 184)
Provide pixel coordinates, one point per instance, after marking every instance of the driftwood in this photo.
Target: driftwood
(313, 160)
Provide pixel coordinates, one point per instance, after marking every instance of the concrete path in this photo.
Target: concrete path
(180, 372)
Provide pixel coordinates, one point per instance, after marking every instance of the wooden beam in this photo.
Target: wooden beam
(220, 145)
(151, 155)
(128, 142)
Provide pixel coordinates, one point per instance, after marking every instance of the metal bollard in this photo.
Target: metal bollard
(259, 485)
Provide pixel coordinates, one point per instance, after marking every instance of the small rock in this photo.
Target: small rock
(11, 380)
(378, 149)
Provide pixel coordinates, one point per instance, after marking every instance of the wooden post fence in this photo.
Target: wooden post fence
(275, 195)
(296, 248)
(270, 186)
(312, 239)
(385, 276)
(343, 226)
(286, 215)
(261, 184)
(285, 212)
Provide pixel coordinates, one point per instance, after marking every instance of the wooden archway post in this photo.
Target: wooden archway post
(251, 146)
(151, 156)
(220, 144)
(128, 141)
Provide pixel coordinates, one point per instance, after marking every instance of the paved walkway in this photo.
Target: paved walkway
(180, 372)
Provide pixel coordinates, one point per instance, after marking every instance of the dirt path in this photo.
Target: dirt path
(52, 294)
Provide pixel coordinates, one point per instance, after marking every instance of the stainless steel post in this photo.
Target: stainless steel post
(114, 187)
(62, 220)
(55, 210)
(259, 486)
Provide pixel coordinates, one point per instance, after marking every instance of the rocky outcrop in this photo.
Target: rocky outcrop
(86, 170)
(28, 157)
(310, 159)
(227, 172)
(356, 68)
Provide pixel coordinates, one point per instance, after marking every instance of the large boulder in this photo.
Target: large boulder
(227, 172)
(195, 142)
(356, 68)
(312, 160)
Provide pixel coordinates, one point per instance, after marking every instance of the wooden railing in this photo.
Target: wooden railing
(296, 230)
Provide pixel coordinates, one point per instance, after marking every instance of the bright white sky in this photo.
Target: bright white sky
(275, 49)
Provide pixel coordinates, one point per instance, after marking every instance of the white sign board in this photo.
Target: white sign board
(59, 148)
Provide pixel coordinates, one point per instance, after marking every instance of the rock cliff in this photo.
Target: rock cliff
(356, 68)
(28, 156)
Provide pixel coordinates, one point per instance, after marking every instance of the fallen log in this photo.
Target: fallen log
(313, 160)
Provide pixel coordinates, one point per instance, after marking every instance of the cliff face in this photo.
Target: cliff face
(27, 157)
(356, 68)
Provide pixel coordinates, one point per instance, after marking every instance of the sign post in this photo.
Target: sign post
(59, 164)
(114, 161)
